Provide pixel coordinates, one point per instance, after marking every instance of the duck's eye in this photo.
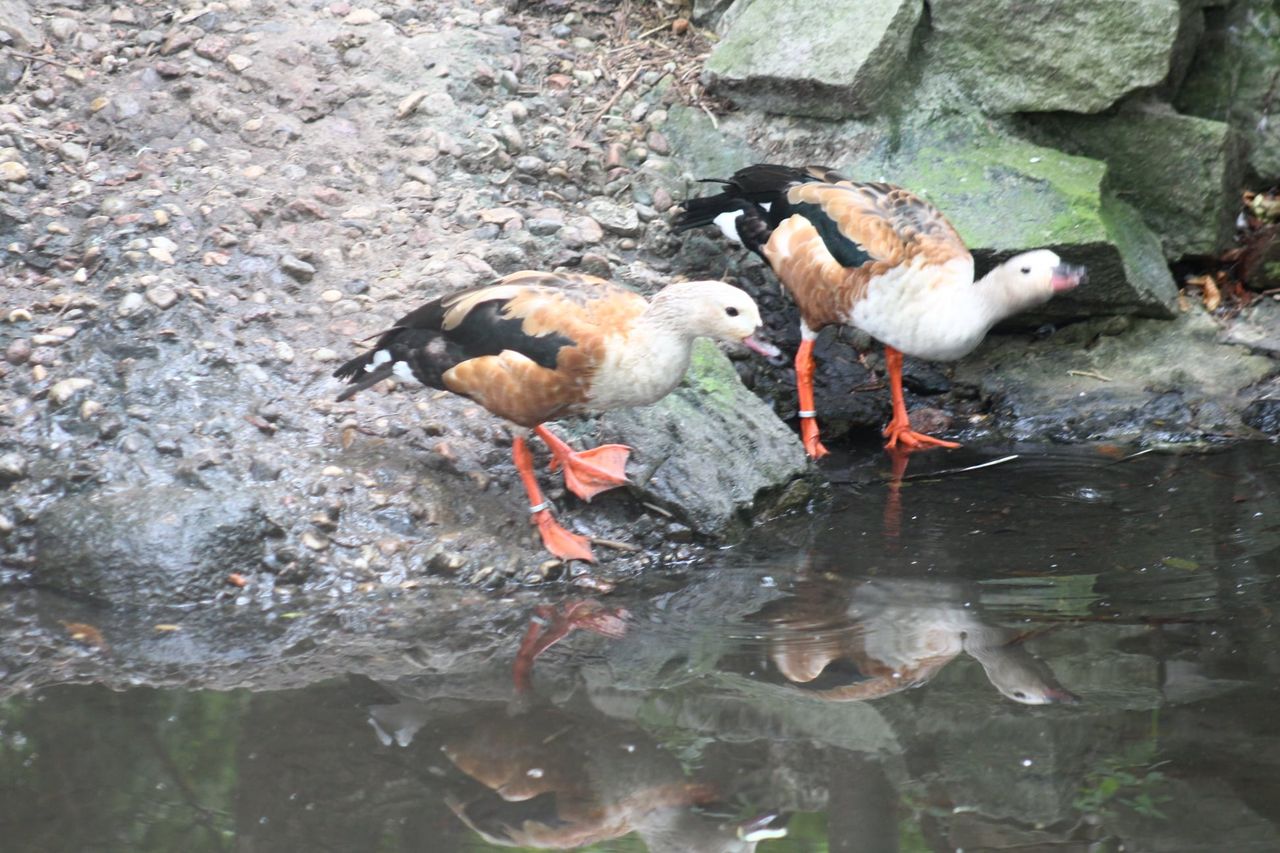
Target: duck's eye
(731, 311)
(1026, 270)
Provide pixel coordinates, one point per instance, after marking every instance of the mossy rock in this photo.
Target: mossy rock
(1077, 55)
(823, 58)
(1182, 172)
(711, 452)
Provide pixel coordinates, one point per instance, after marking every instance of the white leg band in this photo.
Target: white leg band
(540, 507)
(806, 414)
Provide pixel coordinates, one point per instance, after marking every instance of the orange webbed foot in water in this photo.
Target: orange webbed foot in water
(587, 473)
(902, 437)
(899, 431)
(551, 625)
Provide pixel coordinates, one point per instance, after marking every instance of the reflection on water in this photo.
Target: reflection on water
(1066, 652)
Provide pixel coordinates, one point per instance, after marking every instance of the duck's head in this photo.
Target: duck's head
(1032, 278)
(716, 310)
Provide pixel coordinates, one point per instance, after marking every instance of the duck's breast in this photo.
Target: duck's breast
(923, 310)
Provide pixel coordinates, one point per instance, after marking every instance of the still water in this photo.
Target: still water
(1070, 650)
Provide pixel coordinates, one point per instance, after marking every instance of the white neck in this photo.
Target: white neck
(647, 365)
(1002, 296)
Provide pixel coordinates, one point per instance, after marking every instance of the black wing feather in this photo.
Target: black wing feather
(420, 340)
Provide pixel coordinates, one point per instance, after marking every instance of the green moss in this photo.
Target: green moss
(711, 373)
(1002, 193)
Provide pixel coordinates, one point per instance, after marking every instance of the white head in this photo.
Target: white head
(1029, 279)
(1020, 675)
(711, 309)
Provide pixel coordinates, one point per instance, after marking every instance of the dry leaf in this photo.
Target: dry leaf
(348, 437)
(1209, 290)
(236, 579)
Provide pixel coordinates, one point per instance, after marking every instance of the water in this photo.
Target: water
(1066, 651)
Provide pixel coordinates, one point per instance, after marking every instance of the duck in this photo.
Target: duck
(536, 346)
(877, 257)
(860, 640)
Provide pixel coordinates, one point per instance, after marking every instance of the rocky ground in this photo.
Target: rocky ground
(204, 206)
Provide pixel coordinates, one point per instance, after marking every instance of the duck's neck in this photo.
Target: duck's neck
(1001, 295)
(648, 362)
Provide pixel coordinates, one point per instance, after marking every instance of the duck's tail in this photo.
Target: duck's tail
(742, 210)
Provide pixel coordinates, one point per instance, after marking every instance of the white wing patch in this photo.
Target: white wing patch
(380, 358)
(727, 222)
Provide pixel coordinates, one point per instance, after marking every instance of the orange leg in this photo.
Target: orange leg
(808, 415)
(557, 540)
(899, 429)
(589, 472)
(892, 521)
(551, 625)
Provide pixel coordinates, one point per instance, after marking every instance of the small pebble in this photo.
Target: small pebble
(13, 172)
(63, 391)
(18, 351)
(297, 269)
(130, 304)
(12, 467)
(162, 296)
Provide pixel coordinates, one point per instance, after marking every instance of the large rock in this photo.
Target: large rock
(1113, 379)
(1233, 79)
(711, 451)
(1076, 55)
(164, 544)
(825, 58)
(1182, 172)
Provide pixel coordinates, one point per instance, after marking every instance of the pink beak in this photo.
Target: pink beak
(1067, 277)
(764, 348)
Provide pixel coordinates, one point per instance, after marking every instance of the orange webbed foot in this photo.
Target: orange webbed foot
(560, 542)
(587, 473)
(809, 435)
(908, 439)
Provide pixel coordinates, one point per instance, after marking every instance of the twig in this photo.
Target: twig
(37, 58)
(1092, 374)
(945, 471)
(653, 30)
(626, 84)
(714, 123)
(615, 544)
(659, 510)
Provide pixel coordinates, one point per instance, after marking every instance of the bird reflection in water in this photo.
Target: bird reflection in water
(563, 776)
(556, 780)
(855, 640)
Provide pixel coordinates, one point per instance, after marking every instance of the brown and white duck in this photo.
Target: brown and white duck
(876, 257)
(537, 346)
